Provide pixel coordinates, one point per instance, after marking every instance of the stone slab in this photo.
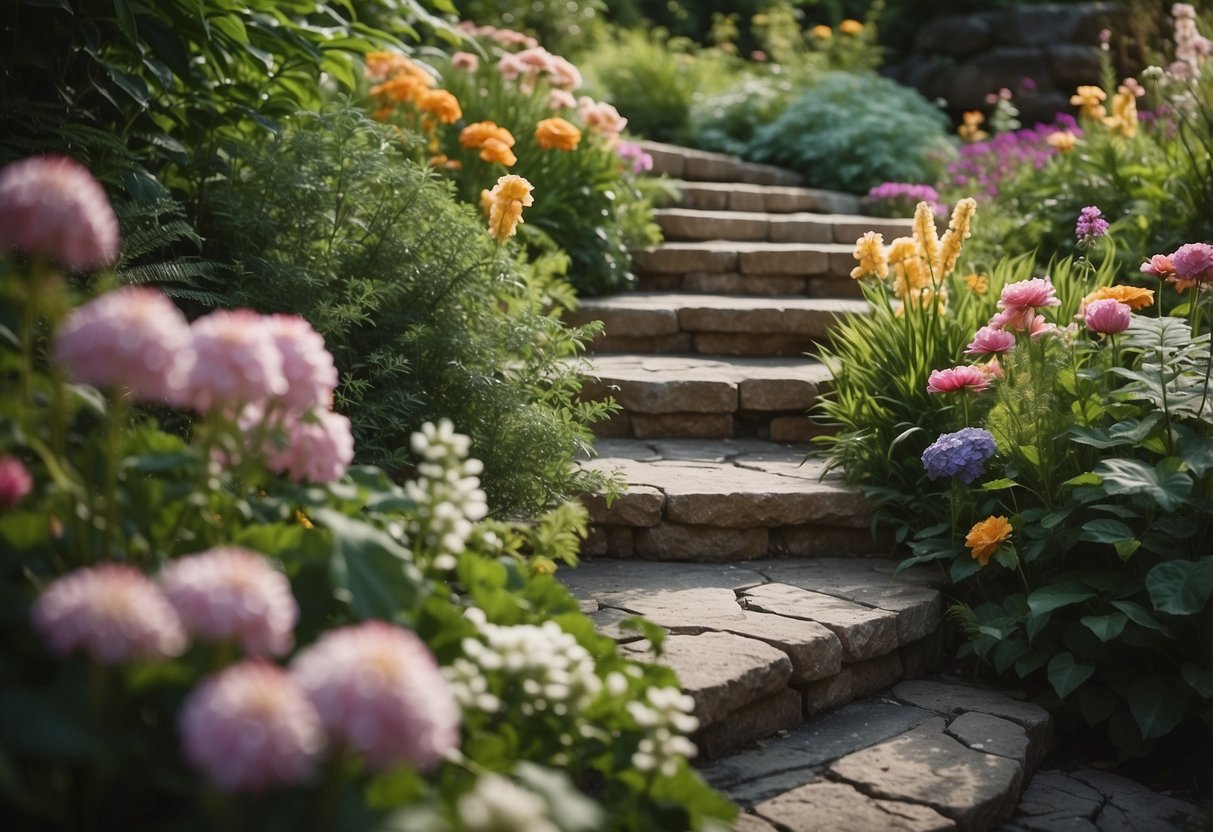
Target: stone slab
(759, 285)
(674, 541)
(751, 823)
(767, 716)
(596, 578)
(839, 807)
(685, 425)
(852, 682)
(1131, 806)
(954, 699)
(793, 258)
(982, 732)
(690, 224)
(863, 631)
(640, 505)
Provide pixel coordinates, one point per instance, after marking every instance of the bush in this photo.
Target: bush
(425, 315)
(852, 132)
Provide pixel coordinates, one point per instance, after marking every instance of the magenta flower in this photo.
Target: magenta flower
(1090, 225)
(52, 206)
(379, 692)
(133, 338)
(237, 361)
(232, 593)
(1193, 261)
(15, 481)
(251, 728)
(1028, 294)
(113, 612)
(1108, 316)
(310, 373)
(319, 448)
(990, 341)
(955, 379)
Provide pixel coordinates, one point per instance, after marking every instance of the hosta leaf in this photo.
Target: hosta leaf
(1066, 674)
(1166, 483)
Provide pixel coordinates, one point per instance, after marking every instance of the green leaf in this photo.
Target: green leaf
(1035, 623)
(1061, 594)
(1181, 587)
(1030, 663)
(371, 572)
(1156, 705)
(1096, 703)
(1200, 679)
(1105, 531)
(1105, 627)
(1008, 653)
(126, 20)
(1066, 675)
(963, 567)
(1166, 483)
(1141, 616)
(1126, 548)
(1087, 479)
(998, 485)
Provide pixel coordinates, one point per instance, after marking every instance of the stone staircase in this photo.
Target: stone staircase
(754, 563)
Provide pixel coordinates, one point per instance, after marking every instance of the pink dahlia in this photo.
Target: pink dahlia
(1193, 261)
(954, 379)
(232, 593)
(1159, 266)
(466, 61)
(310, 373)
(1028, 294)
(251, 728)
(237, 361)
(990, 341)
(133, 338)
(380, 693)
(52, 206)
(15, 481)
(113, 612)
(1108, 316)
(319, 447)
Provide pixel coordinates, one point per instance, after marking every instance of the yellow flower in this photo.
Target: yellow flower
(954, 237)
(543, 566)
(978, 284)
(443, 105)
(486, 201)
(910, 271)
(556, 133)
(869, 251)
(509, 196)
(1090, 98)
(1131, 296)
(302, 520)
(923, 297)
(1062, 140)
(1124, 113)
(970, 130)
(850, 27)
(925, 234)
(497, 151)
(986, 537)
(475, 135)
(822, 32)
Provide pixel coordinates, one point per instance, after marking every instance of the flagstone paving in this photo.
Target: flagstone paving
(805, 655)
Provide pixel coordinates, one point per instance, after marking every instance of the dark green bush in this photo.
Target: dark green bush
(425, 315)
(850, 132)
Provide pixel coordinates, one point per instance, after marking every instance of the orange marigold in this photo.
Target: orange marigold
(850, 27)
(475, 135)
(987, 536)
(497, 151)
(1131, 296)
(399, 88)
(442, 104)
(509, 196)
(556, 133)
(441, 161)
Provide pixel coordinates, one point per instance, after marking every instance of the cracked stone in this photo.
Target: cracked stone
(864, 632)
(955, 699)
(1131, 806)
(982, 732)
(838, 807)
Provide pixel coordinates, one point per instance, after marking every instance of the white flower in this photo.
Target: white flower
(499, 805)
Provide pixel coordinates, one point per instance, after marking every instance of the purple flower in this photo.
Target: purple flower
(1090, 226)
(900, 198)
(962, 454)
(640, 160)
(1193, 261)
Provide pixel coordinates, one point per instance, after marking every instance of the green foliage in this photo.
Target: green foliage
(424, 314)
(728, 121)
(561, 25)
(852, 132)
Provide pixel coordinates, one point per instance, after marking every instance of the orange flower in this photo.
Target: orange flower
(1090, 98)
(987, 536)
(971, 130)
(475, 135)
(509, 196)
(850, 27)
(486, 201)
(400, 88)
(1131, 296)
(442, 104)
(1062, 140)
(441, 161)
(380, 65)
(556, 133)
(978, 284)
(822, 32)
(497, 151)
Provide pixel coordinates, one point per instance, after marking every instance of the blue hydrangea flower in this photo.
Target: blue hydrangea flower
(960, 454)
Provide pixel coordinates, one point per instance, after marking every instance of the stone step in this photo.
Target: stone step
(685, 224)
(770, 199)
(723, 500)
(754, 268)
(654, 322)
(843, 629)
(705, 166)
(702, 397)
(924, 755)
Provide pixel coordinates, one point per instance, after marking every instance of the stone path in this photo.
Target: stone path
(800, 649)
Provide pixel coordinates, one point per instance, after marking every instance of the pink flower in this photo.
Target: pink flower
(1159, 266)
(251, 728)
(133, 338)
(511, 67)
(1028, 294)
(467, 61)
(954, 379)
(601, 117)
(1108, 316)
(992, 369)
(52, 206)
(319, 448)
(1193, 261)
(990, 341)
(238, 361)
(379, 692)
(15, 481)
(563, 74)
(111, 611)
(232, 593)
(561, 100)
(310, 373)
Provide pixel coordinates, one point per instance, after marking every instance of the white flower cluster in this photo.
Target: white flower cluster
(447, 490)
(500, 805)
(545, 664)
(666, 716)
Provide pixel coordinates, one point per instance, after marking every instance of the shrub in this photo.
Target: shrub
(424, 313)
(852, 132)
(728, 121)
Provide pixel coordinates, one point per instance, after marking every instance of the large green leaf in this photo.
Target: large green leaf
(1105, 627)
(1105, 531)
(1181, 587)
(1066, 674)
(1167, 483)
(1156, 705)
(1140, 615)
(1060, 594)
(371, 572)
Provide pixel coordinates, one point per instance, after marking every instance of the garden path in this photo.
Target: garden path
(751, 560)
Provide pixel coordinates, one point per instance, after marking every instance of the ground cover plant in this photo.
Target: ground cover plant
(408, 663)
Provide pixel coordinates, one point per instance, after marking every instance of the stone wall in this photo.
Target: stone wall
(961, 59)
